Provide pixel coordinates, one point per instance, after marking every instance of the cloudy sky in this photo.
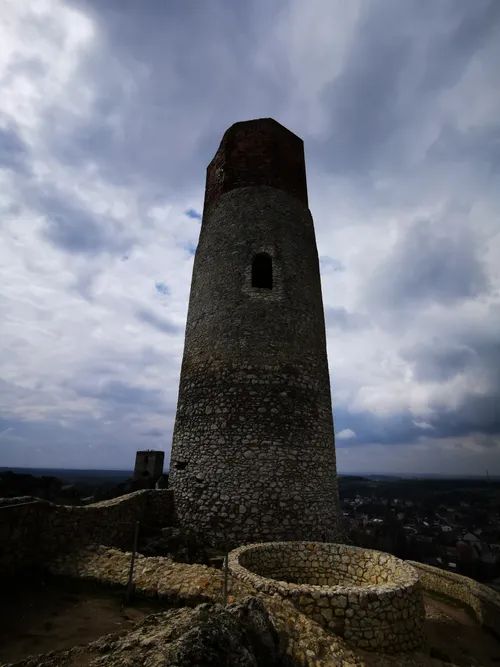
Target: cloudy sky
(110, 111)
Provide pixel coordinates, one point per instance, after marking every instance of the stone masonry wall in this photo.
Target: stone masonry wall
(253, 445)
(33, 531)
(484, 601)
(372, 599)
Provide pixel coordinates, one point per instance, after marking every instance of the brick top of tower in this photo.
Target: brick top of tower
(257, 152)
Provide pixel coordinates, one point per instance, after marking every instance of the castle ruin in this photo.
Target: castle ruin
(148, 465)
(253, 447)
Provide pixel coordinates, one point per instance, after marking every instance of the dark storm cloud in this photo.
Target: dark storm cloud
(76, 230)
(137, 362)
(158, 323)
(176, 56)
(115, 393)
(119, 430)
(13, 151)
(82, 440)
(439, 361)
(391, 430)
(463, 34)
(475, 414)
(153, 433)
(480, 145)
(46, 442)
(363, 99)
(479, 409)
(475, 356)
(427, 265)
(479, 361)
(85, 443)
(20, 429)
(400, 57)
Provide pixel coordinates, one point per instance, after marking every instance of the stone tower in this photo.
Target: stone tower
(148, 465)
(253, 446)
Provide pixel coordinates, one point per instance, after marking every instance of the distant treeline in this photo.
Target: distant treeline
(439, 491)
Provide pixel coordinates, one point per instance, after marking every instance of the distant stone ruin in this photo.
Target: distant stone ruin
(148, 465)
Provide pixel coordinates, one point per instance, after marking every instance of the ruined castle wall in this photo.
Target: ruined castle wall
(484, 601)
(253, 444)
(372, 599)
(33, 531)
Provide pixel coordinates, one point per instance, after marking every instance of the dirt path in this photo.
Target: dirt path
(53, 617)
(454, 636)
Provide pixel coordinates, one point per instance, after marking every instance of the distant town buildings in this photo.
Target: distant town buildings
(461, 536)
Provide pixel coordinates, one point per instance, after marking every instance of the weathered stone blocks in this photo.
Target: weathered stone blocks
(376, 605)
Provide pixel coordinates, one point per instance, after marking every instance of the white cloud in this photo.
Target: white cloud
(346, 434)
(311, 41)
(43, 43)
(423, 425)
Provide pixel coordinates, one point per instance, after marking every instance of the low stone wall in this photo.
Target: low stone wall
(33, 531)
(484, 601)
(372, 599)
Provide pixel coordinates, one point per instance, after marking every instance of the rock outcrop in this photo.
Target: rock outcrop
(241, 635)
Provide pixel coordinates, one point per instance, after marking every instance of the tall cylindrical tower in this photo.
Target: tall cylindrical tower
(253, 446)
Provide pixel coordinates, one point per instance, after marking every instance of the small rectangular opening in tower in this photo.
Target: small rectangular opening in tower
(262, 271)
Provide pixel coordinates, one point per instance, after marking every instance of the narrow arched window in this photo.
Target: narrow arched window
(262, 271)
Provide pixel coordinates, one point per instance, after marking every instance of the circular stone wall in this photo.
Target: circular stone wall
(370, 598)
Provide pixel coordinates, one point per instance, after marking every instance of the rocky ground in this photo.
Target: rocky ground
(254, 630)
(52, 614)
(241, 635)
(455, 636)
(244, 634)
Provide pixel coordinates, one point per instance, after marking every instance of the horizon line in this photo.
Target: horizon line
(345, 473)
